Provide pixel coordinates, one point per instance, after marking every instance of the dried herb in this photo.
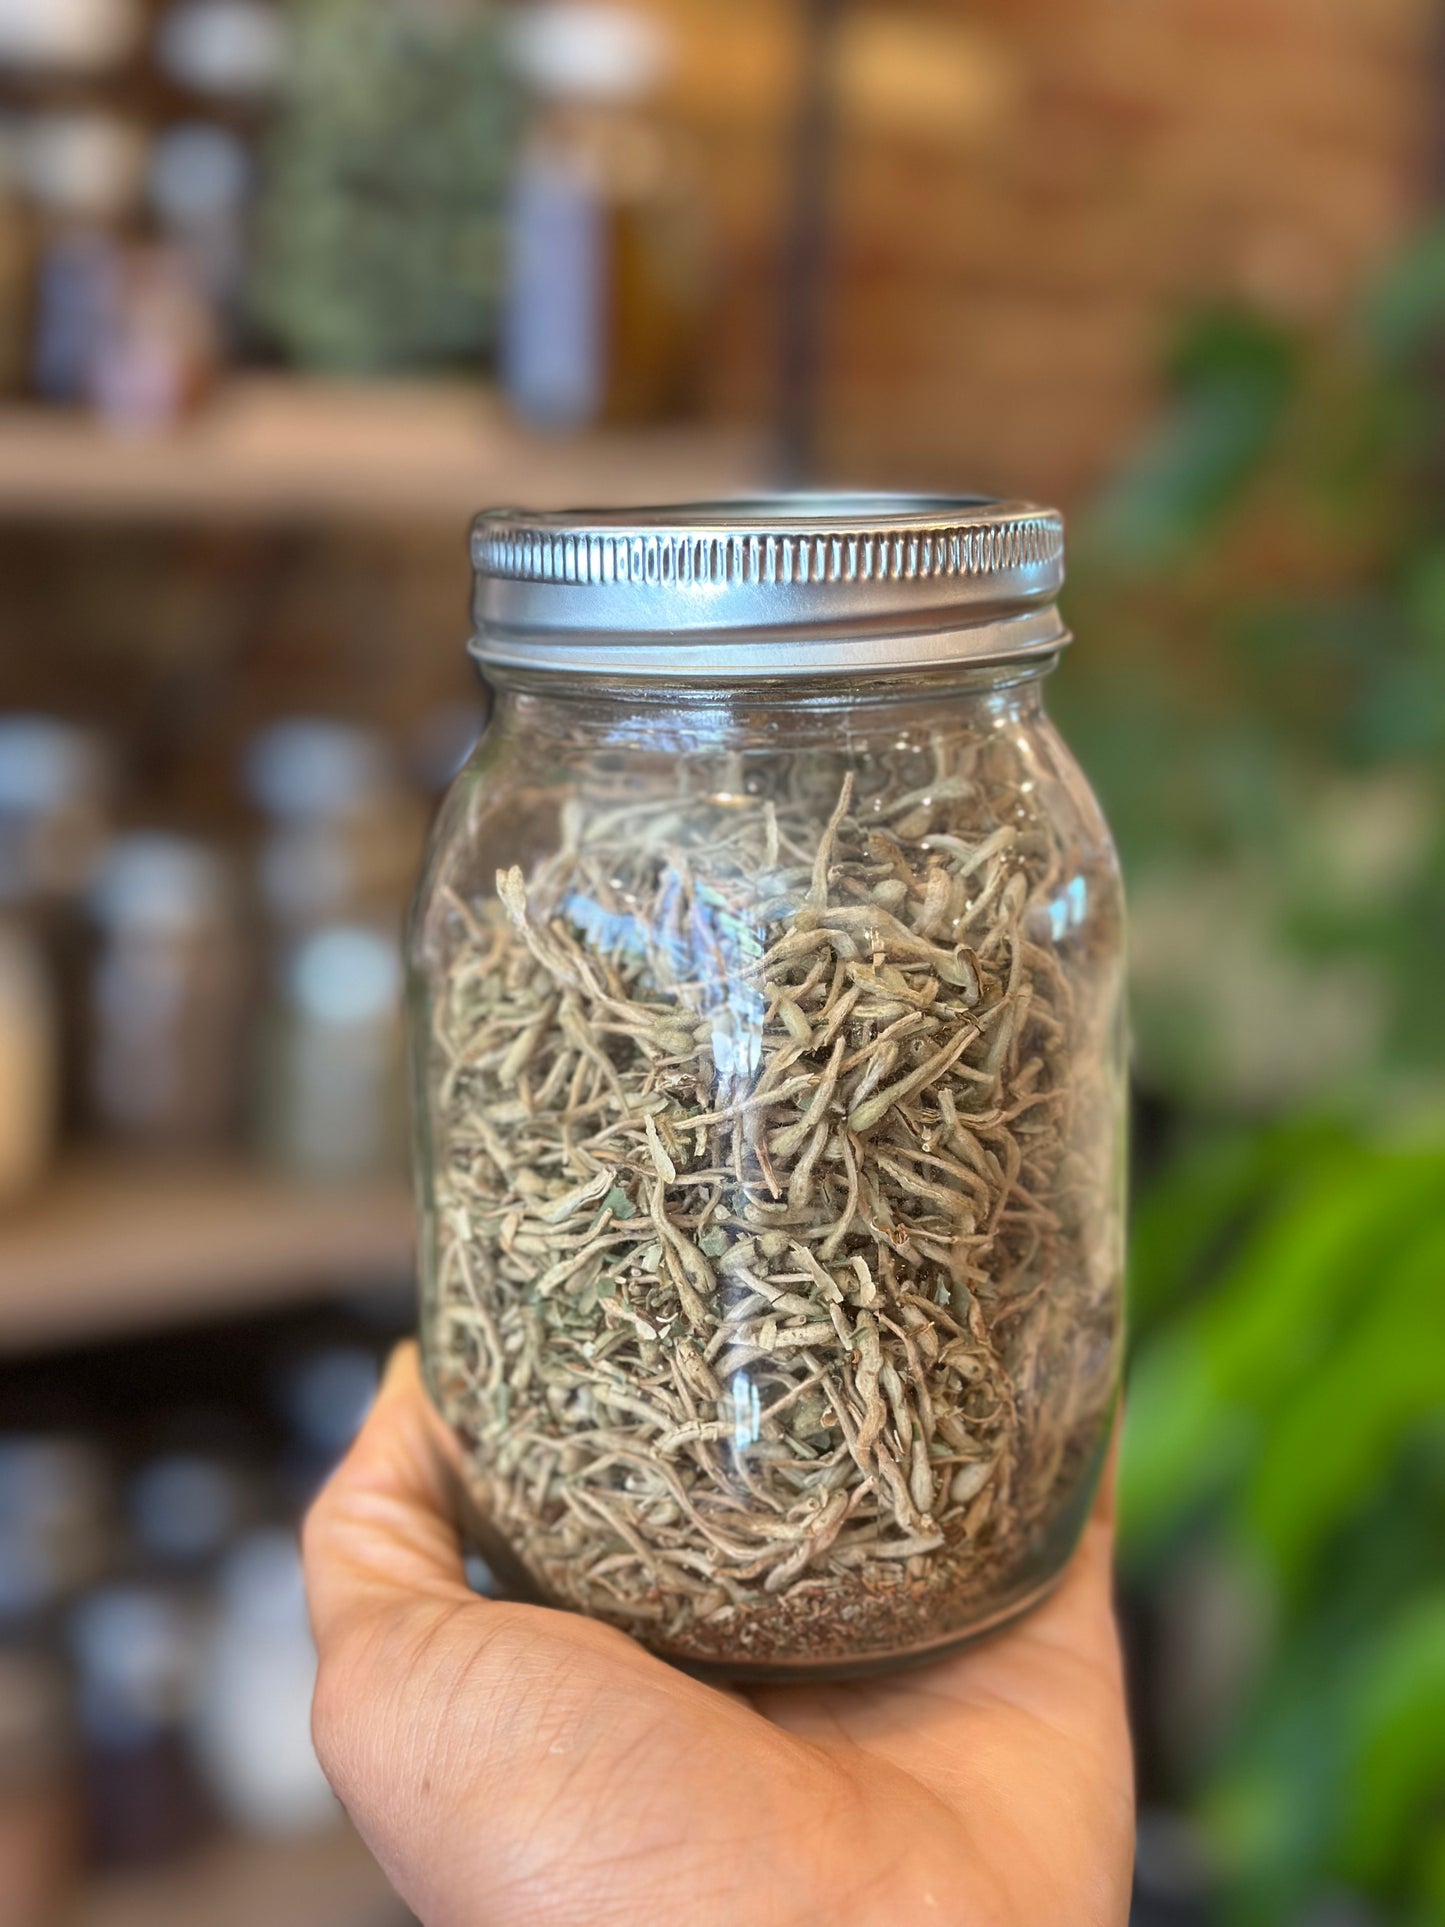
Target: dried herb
(774, 1249)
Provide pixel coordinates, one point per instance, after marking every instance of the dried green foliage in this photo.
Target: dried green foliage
(774, 1237)
(379, 241)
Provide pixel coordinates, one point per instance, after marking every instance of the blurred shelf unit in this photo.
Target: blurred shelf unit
(327, 1882)
(274, 449)
(110, 1247)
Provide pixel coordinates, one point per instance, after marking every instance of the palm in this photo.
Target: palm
(510, 1764)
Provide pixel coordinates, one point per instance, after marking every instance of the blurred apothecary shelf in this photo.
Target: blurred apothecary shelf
(330, 1881)
(274, 449)
(110, 1247)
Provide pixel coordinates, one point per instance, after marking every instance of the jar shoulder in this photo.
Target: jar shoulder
(932, 792)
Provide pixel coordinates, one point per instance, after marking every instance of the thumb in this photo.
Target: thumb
(382, 1535)
(479, 1747)
(384, 1581)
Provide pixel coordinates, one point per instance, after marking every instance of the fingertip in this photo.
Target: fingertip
(403, 1441)
(401, 1376)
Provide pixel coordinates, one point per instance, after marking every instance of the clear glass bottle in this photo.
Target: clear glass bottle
(168, 994)
(605, 309)
(56, 792)
(29, 1058)
(334, 872)
(766, 994)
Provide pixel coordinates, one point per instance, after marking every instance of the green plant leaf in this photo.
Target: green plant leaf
(1405, 311)
(1234, 375)
(1333, 1441)
(1396, 1744)
(1199, 1395)
(1192, 1211)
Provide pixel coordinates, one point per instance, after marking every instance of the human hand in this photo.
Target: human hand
(510, 1764)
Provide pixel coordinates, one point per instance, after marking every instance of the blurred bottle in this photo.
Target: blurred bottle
(18, 260)
(40, 1815)
(29, 1059)
(343, 832)
(199, 190)
(84, 168)
(335, 870)
(57, 1528)
(31, 1067)
(324, 1396)
(57, 1537)
(604, 308)
(138, 1653)
(167, 996)
(63, 37)
(333, 1104)
(55, 792)
(252, 1725)
(156, 353)
(124, 325)
(184, 1509)
(234, 50)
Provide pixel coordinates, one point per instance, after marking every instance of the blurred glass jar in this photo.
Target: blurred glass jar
(58, 1531)
(58, 1536)
(167, 996)
(184, 1508)
(766, 1005)
(18, 262)
(252, 1722)
(606, 283)
(233, 49)
(199, 187)
(138, 1653)
(333, 1099)
(55, 794)
(343, 831)
(56, 37)
(324, 1396)
(85, 169)
(29, 1058)
(333, 873)
(157, 352)
(40, 1814)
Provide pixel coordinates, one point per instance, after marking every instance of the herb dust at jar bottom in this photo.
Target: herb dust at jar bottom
(767, 1039)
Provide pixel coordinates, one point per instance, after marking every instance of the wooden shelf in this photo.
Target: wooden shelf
(111, 1247)
(328, 1881)
(273, 449)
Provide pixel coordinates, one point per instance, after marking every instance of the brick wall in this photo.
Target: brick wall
(1029, 193)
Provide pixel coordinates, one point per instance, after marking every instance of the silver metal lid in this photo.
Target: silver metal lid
(789, 585)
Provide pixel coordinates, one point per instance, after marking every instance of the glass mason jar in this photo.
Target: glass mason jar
(766, 993)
